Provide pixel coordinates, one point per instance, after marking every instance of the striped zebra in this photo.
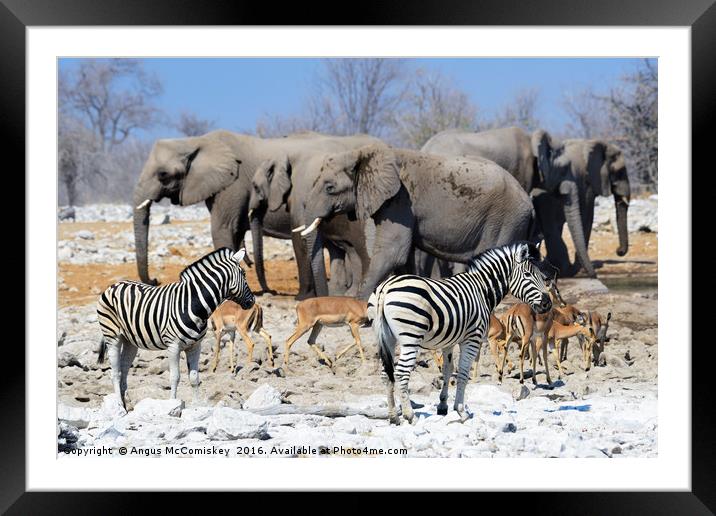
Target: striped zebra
(415, 313)
(172, 317)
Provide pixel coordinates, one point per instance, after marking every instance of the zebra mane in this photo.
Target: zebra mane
(509, 249)
(224, 251)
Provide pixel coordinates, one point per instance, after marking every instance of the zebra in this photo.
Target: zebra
(172, 317)
(417, 312)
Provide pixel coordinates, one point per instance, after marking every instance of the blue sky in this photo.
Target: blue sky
(237, 92)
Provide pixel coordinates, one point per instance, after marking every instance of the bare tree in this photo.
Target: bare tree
(112, 96)
(273, 126)
(431, 104)
(78, 158)
(358, 95)
(190, 124)
(633, 110)
(102, 102)
(587, 115)
(521, 111)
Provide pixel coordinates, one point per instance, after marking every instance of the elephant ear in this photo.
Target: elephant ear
(545, 150)
(280, 181)
(376, 178)
(210, 165)
(597, 167)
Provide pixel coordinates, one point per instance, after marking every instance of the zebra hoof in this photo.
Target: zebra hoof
(394, 419)
(442, 411)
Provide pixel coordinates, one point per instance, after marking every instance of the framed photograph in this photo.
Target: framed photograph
(437, 237)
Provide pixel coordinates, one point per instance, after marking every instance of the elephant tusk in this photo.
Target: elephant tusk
(312, 227)
(299, 228)
(143, 205)
(251, 212)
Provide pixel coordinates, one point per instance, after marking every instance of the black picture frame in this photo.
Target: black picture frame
(700, 15)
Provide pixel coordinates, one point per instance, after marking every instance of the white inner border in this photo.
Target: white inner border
(671, 470)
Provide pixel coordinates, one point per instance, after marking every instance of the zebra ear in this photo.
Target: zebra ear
(523, 252)
(240, 254)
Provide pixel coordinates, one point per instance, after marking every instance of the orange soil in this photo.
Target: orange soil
(91, 279)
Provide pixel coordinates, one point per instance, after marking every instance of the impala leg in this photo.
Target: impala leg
(558, 357)
(544, 346)
(300, 330)
(312, 342)
(269, 346)
(533, 360)
(523, 349)
(437, 359)
(217, 351)
(508, 341)
(249, 345)
(563, 348)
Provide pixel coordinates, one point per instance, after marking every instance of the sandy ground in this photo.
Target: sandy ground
(609, 411)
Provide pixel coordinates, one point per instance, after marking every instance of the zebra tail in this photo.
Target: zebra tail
(102, 351)
(386, 339)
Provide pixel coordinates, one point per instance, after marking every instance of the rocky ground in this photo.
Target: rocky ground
(312, 409)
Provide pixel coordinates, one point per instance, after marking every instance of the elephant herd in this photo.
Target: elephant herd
(378, 209)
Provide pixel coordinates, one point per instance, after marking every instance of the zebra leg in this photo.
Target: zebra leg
(406, 364)
(447, 373)
(468, 351)
(127, 357)
(390, 388)
(174, 374)
(193, 354)
(114, 347)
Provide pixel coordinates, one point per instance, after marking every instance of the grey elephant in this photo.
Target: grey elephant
(452, 208)
(563, 178)
(277, 186)
(218, 168)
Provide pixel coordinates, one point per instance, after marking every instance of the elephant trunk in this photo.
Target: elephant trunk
(570, 198)
(314, 246)
(257, 236)
(142, 205)
(621, 205)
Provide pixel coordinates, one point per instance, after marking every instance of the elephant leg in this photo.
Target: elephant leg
(338, 283)
(391, 249)
(305, 275)
(354, 271)
(550, 216)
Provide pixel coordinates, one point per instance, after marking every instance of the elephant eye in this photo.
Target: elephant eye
(330, 188)
(163, 175)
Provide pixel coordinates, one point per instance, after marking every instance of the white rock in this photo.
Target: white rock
(228, 424)
(149, 407)
(85, 234)
(112, 407)
(488, 396)
(76, 416)
(265, 396)
(64, 254)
